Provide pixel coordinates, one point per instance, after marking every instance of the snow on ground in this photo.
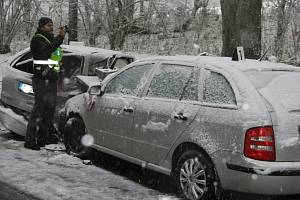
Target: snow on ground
(55, 175)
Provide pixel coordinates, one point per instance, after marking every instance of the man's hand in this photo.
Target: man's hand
(62, 32)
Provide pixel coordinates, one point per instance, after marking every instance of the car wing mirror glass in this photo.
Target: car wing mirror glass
(95, 90)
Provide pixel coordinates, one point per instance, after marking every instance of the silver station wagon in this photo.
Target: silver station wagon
(211, 123)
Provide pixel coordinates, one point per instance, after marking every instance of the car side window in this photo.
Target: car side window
(25, 63)
(101, 63)
(173, 81)
(130, 81)
(218, 90)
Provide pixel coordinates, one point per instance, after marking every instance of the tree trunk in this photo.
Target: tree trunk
(128, 8)
(27, 17)
(4, 49)
(241, 21)
(73, 20)
(282, 25)
(120, 17)
(142, 11)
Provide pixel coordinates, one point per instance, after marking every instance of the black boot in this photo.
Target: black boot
(32, 146)
(53, 136)
(52, 139)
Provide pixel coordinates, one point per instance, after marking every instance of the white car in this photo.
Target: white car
(17, 95)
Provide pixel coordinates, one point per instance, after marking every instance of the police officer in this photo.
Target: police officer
(46, 58)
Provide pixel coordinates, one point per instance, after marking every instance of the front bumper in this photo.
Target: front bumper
(246, 175)
(12, 121)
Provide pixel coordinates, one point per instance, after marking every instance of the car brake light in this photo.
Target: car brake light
(260, 143)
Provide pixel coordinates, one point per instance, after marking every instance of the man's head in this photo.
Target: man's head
(46, 24)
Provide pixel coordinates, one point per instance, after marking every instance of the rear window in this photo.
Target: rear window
(261, 79)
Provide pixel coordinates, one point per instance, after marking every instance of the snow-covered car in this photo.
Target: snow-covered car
(212, 123)
(17, 94)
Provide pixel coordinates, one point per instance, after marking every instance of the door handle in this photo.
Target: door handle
(129, 110)
(180, 116)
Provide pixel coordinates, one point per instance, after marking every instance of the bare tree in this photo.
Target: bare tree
(241, 26)
(92, 14)
(118, 21)
(27, 20)
(201, 16)
(199, 4)
(12, 18)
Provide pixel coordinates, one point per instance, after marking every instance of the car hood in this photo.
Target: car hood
(88, 81)
(283, 96)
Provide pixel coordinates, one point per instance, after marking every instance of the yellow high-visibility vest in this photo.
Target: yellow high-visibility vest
(55, 59)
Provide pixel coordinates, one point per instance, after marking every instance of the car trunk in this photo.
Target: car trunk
(282, 92)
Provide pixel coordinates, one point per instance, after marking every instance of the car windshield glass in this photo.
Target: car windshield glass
(261, 79)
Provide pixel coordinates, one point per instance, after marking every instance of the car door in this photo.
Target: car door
(111, 119)
(16, 83)
(165, 110)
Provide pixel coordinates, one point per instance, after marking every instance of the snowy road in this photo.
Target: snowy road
(8, 192)
(50, 175)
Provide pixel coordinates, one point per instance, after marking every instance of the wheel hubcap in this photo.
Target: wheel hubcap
(193, 179)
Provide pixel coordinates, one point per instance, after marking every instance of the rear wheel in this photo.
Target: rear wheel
(194, 176)
(73, 133)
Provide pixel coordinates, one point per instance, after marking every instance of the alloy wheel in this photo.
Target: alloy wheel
(193, 179)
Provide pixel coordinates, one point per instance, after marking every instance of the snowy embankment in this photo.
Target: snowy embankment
(55, 175)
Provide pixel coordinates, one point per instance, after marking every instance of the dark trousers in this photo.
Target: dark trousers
(40, 124)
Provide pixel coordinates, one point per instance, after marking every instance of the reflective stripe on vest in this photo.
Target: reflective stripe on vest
(40, 35)
(45, 62)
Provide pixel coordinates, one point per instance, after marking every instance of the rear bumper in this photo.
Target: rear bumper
(266, 171)
(259, 177)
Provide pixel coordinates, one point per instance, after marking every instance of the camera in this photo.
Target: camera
(66, 28)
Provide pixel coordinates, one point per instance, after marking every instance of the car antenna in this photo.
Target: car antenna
(264, 54)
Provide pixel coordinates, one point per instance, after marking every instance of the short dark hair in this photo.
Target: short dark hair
(44, 20)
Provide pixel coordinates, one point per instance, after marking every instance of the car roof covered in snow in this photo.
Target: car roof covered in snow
(94, 52)
(227, 63)
(83, 50)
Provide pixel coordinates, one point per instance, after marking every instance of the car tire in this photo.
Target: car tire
(195, 183)
(73, 132)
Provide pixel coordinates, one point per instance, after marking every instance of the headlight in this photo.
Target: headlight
(27, 89)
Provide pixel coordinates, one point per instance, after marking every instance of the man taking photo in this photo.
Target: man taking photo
(46, 65)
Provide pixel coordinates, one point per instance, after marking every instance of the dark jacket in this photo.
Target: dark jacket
(41, 50)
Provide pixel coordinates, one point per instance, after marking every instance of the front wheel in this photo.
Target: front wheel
(194, 176)
(73, 133)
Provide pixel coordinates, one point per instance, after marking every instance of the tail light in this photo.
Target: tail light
(260, 144)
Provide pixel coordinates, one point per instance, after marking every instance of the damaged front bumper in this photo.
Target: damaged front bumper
(12, 121)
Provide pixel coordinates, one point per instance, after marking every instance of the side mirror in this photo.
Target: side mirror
(95, 90)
